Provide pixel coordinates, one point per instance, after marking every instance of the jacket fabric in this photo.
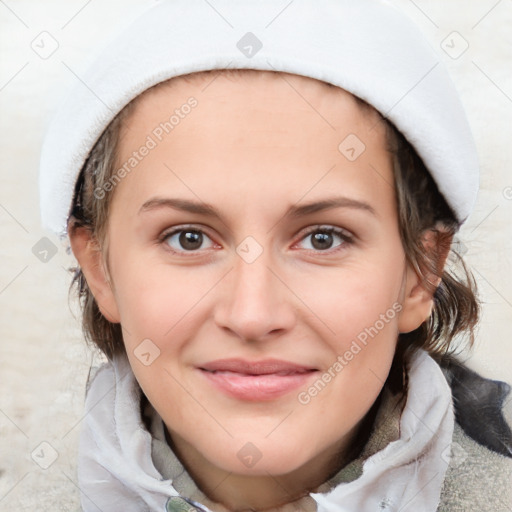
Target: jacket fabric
(419, 458)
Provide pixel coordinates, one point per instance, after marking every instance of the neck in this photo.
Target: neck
(243, 493)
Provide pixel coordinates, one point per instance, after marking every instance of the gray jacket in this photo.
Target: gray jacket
(479, 476)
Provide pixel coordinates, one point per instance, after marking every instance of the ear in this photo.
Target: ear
(87, 251)
(419, 288)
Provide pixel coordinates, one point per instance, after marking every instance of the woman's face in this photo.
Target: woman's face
(257, 268)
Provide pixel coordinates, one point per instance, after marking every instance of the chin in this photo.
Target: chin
(260, 457)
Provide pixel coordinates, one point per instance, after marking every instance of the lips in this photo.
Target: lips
(256, 380)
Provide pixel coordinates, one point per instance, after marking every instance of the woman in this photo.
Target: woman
(262, 258)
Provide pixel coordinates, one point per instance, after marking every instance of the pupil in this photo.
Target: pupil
(322, 240)
(191, 239)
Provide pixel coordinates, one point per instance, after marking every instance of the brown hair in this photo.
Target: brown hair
(420, 205)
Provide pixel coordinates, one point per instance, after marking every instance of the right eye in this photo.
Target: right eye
(185, 239)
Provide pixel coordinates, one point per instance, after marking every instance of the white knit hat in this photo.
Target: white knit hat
(366, 47)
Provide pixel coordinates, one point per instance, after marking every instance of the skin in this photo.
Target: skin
(253, 147)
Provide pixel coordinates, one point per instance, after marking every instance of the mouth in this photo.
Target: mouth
(266, 367)
(256, 380)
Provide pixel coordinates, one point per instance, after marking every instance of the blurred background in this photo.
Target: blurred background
(44, 49)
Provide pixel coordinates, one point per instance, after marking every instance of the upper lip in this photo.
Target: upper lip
(265, 367)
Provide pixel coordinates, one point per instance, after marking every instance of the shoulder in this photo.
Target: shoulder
(479, 475)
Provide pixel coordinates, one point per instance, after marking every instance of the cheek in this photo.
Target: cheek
(351, 299)
(156, 301)
(359, 313)
(164, 307)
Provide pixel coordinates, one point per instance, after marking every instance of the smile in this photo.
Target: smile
(256, 381)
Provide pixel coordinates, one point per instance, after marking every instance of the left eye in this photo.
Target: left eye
(322, 238)
(187, 239)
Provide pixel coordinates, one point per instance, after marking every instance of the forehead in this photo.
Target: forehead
(257, 102)
(214, 83)
(256, 131)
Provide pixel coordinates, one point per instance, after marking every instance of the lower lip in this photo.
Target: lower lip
(257, 387)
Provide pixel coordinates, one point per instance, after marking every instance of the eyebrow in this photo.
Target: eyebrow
(294, 211)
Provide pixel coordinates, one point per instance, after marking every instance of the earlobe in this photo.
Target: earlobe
(88, 254)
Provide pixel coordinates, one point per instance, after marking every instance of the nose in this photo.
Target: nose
(256, 303)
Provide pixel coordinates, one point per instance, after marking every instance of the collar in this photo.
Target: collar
(124, 464)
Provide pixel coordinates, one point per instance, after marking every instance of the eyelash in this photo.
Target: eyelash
(341, 233)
